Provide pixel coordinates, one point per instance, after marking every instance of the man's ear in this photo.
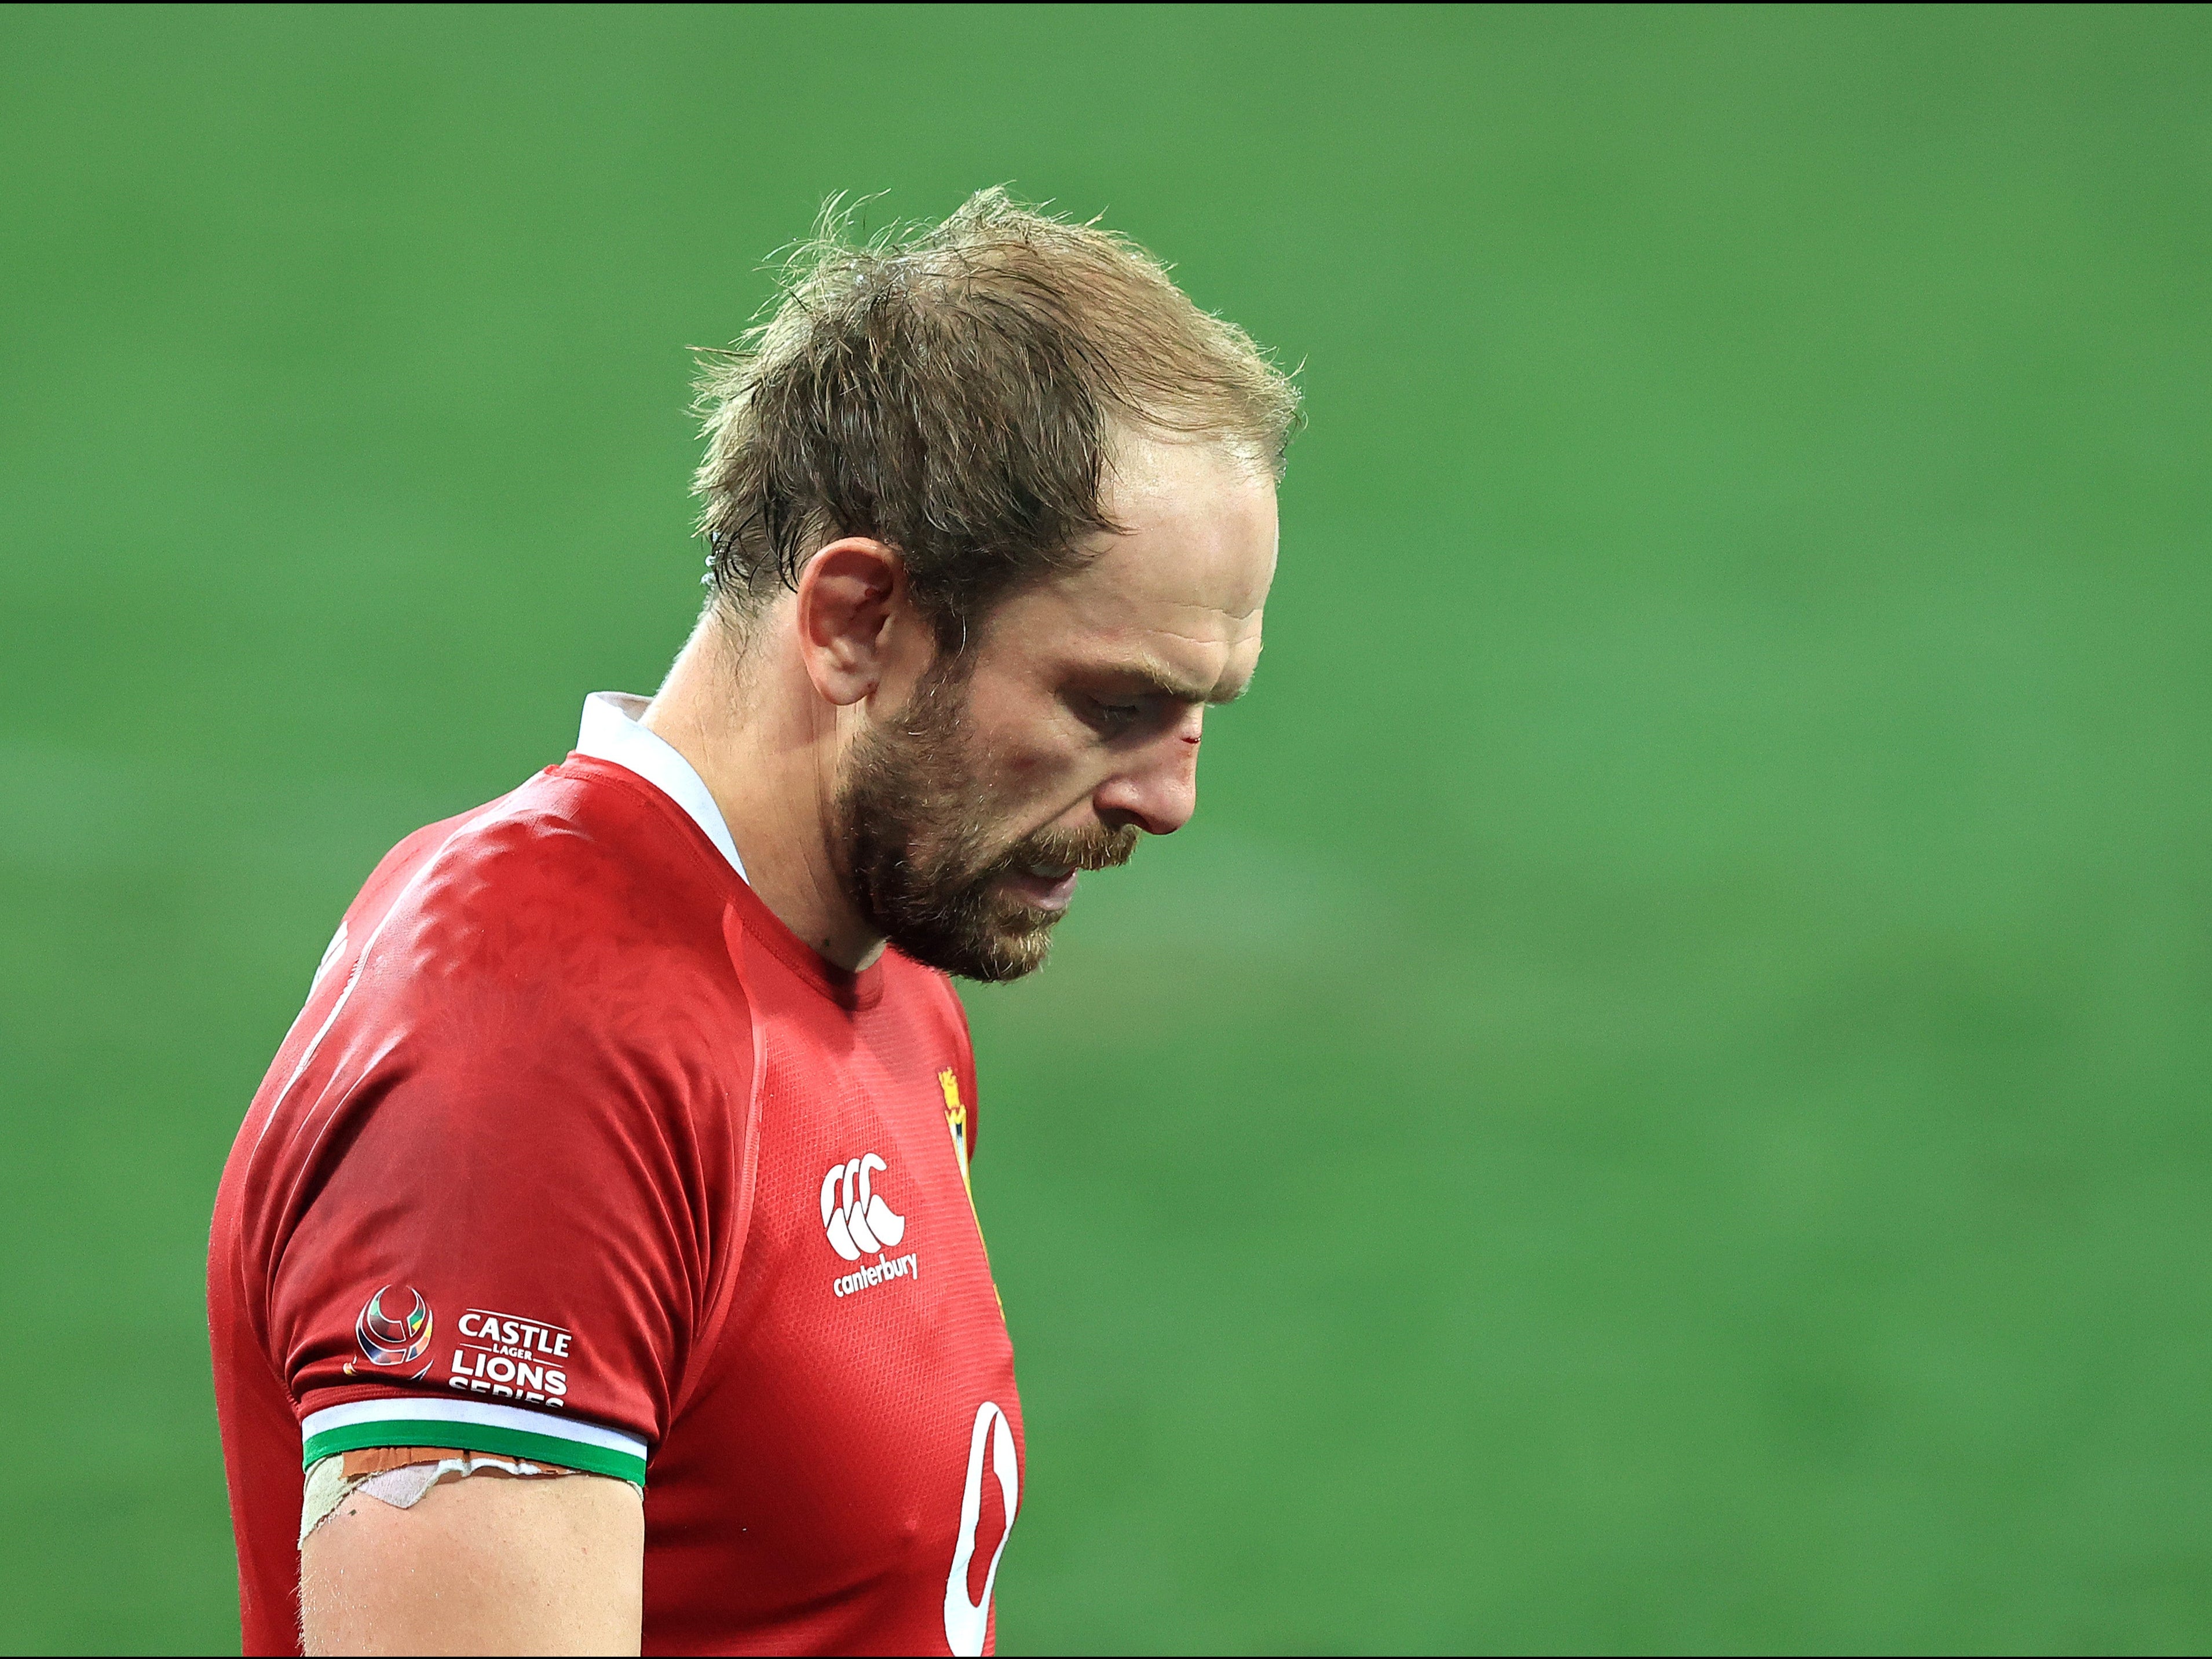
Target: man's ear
(848, 596)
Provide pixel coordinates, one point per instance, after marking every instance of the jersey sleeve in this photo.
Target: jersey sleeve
(507, 1235)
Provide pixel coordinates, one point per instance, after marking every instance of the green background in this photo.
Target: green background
(1661, 1103)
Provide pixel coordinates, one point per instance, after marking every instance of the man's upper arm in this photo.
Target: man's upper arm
(503, 1239)
(485, 1564)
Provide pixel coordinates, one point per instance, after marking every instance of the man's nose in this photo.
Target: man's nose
(1159, 791)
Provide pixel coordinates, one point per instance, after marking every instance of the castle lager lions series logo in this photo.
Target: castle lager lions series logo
(511, 1358)
(495, 1354)
(391, 1332)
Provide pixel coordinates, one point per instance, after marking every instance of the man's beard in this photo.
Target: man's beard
(921, 863)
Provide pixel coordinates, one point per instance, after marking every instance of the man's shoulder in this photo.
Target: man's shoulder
(519, 970)
(578, 866)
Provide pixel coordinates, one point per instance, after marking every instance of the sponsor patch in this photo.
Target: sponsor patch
(508, 1357)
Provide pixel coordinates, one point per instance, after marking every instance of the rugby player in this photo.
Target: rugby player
(597, 1266)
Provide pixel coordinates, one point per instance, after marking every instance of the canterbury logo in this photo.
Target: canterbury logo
(856, 1216)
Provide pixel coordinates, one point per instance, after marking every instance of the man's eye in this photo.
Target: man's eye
(1114, 714)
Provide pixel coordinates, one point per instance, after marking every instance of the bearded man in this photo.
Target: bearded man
(597, 1265)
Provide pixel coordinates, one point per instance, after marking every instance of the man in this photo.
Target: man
(597, 1265)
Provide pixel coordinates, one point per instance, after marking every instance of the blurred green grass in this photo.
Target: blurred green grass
(1661, 1103)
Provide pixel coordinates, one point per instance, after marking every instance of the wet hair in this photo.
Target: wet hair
(957, 392)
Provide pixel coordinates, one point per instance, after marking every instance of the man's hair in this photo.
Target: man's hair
(957, 392)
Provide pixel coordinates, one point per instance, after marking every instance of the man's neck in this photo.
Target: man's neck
(766, 747)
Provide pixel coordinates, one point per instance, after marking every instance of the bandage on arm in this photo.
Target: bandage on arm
(490, 1564)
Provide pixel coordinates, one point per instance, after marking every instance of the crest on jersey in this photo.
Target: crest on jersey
(956, 1119)
(393, 1327)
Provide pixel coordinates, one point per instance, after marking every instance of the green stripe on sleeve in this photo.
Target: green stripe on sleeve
(476, 1436)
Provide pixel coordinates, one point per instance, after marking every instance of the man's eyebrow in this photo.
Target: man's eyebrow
(1165, 681)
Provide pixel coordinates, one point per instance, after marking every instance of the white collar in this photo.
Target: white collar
(610, 731)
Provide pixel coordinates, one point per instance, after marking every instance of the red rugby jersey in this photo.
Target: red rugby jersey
(577, 1153)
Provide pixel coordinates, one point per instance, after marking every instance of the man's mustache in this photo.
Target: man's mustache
(1095, 849)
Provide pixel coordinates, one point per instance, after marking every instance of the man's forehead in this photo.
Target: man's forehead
(1191, 629)
(1194, 652)
(1123, 592)
(1175, 598)
(1198, 540)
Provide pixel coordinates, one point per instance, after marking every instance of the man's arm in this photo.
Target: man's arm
(485, 1564)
